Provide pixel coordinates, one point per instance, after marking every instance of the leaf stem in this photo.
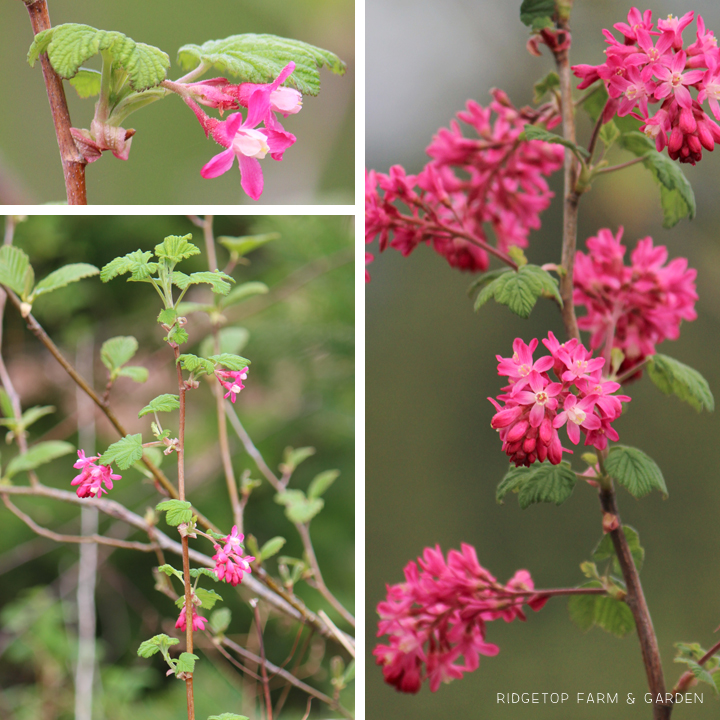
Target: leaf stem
(621, 166)
(73, 163)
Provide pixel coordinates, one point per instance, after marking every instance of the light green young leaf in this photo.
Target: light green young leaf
(673, 377)
(169, 570)
(676, 194)
(167, 316)
(195, 364)
(230, 362)
(176, 248)
(232, 341)
(37, 455)
(185, 663)
(162, 403)
(635, 470)
(320, 483)
(16, 271)
(239, 246)
(207, 598)
(219, 282)
(176, 511)
(87, 82)
(605, 549)
(136, 263)
(220, 620)
(609, 134)
(243, 292)
(134, 372)
(207, 572)
(699, 672)
(155, 644)
(62, 277)
(292, 457)
(116, 351)
(298, 508)
(260, 58)
(70, 45)
(124, 452)
(30, 416)
(228, 716)
(533, 132)
(272, 547)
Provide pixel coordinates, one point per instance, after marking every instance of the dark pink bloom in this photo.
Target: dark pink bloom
(232, 381)
(632, 307)
(436, 619)
(198, 622)
(93, 477)
(230, 563)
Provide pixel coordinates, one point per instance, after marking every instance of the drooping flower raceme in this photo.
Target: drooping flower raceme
(536, 406)
(94, 480)
(653, 66)
(632, 307)
(230, 564)
(231, 380)
(438, 615)
(198, 621)
(240, 136)
(492, 178)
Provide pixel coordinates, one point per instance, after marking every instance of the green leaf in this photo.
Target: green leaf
(486, 278)
(228, 716)
(207, 598)
(168, 316)
(545, 85)
(87, 82)
(513, 479)
(298, 508)
(176, 248)
(176, 511)
(136, 263)
(532, 132)
(635, 470)
(178, 335)
(541, 482)
(207, 572)
(30, 416)
(320, 483)
(169, 570)
(117, 351)
(613, 616)
(162, 403)
(533, 10)
(673, 377)
(186, 663)
(37, 455)
(158, 643)
(605, 549)
(195, 364)
(124, 452)
(230, 362)
(16, 271)
(676, 194)
(272, 547)
(219, 281)
(609, 134)
(220, 620)
(134, 372)
(62, 277)
(520, 290)
(260, 58)
(243, 292)
(232, 341)
(239, 246)
(698, 671)
(69, 46)
(292, 457)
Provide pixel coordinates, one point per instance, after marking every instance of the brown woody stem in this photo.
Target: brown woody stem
(73, 163)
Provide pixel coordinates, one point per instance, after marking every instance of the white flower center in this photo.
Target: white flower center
(235, 388)
(251, 143)
(576, 415)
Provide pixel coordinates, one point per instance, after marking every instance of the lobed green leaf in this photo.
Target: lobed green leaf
(298, 508)
(195, 364)
(155, 644)
(87, 82)
(207, 598)
(116, 351)
(239, 246)
(635, 470)
(136, 263)
(124, 452)
(220, 620)
(16, 271)
(320, 483)
(605, 549)
(613, 616)
(230, 362)
(63, 277)
(185, 663)
(176, 248)
(673, 377)
(218, 281)
(541, 482)
(177, 512)
(135, 373)
(162, 403)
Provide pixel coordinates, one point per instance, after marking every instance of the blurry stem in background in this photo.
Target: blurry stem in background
(302, 528)
(235, 504)
(88, 559)
(73, 163)
(189, 607)
(263, 664)
(635, 598)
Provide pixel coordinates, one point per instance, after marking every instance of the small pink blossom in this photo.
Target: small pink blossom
(198, 622)
(232, 381)
(93, 477)
(230, 564)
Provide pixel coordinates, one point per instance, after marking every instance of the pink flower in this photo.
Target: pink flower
(198, 622)
(439, 614)
(232, 381)
(92, 478)
(632, 307)
(230, 564)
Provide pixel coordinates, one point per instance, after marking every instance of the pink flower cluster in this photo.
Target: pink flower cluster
(93, 476)
(438, 615)
(198, 621)
(653, 66)
(535, 406)
(241, 136)
(492, 178)
(230, 564)
(232, 381)
(632, 307)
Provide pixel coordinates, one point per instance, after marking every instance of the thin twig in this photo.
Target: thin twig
(621, 166)
(73, 162)
(263, 662)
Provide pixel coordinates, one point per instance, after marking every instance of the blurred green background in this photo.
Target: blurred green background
(300, 392)
(433, 461)
(170, 147)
